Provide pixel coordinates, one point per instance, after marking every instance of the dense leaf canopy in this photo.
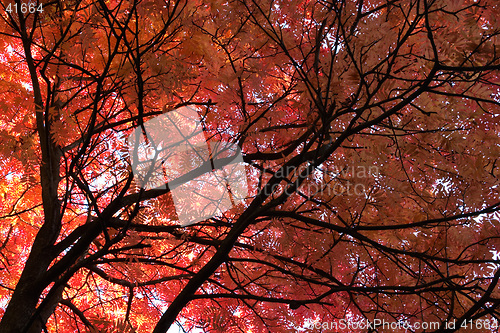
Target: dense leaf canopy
(370, 135)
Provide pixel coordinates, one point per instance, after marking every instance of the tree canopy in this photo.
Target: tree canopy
(369, 139)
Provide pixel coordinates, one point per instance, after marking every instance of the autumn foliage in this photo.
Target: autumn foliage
(369, 129)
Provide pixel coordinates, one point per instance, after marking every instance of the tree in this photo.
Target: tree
(370, 133)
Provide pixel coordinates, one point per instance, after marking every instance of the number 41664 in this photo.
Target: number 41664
(24, 8)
